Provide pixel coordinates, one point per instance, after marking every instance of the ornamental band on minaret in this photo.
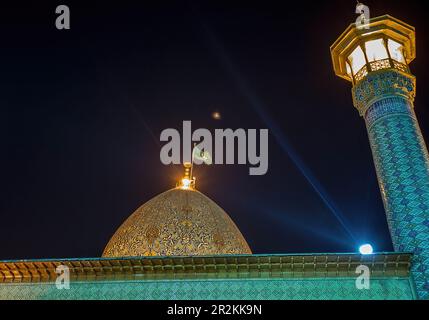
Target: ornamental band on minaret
(375, 59)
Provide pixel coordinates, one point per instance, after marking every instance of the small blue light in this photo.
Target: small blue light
(366, 249)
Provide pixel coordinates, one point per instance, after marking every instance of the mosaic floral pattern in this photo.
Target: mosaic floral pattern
(177, 223)
(382, 84)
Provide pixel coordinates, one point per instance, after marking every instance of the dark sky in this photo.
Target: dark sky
(82, 111)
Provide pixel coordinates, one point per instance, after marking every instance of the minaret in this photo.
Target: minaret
(375, 58)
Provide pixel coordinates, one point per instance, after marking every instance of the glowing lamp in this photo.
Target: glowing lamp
(387, 43)
(186, 183)
(366, 249)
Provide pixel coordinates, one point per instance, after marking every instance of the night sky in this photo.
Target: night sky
(82, 111)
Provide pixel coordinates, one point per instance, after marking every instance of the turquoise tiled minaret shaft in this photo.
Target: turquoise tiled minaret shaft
(375, 57)
(385, 99)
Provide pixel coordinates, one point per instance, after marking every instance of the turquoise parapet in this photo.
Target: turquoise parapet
(210, 289)
(242, 277)
(402, 164)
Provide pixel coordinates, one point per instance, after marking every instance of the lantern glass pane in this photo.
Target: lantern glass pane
(396, 51)
(357, 60)
(375, 50)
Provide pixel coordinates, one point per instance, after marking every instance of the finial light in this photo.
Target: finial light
(187, 182)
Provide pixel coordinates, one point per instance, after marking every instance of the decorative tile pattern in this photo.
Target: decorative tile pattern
(177, 223)
(382, 84)
(296, 289)
(304, 266)
(402, 163)
(387, 107)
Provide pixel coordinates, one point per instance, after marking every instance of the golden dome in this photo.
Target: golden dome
(179, 222)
